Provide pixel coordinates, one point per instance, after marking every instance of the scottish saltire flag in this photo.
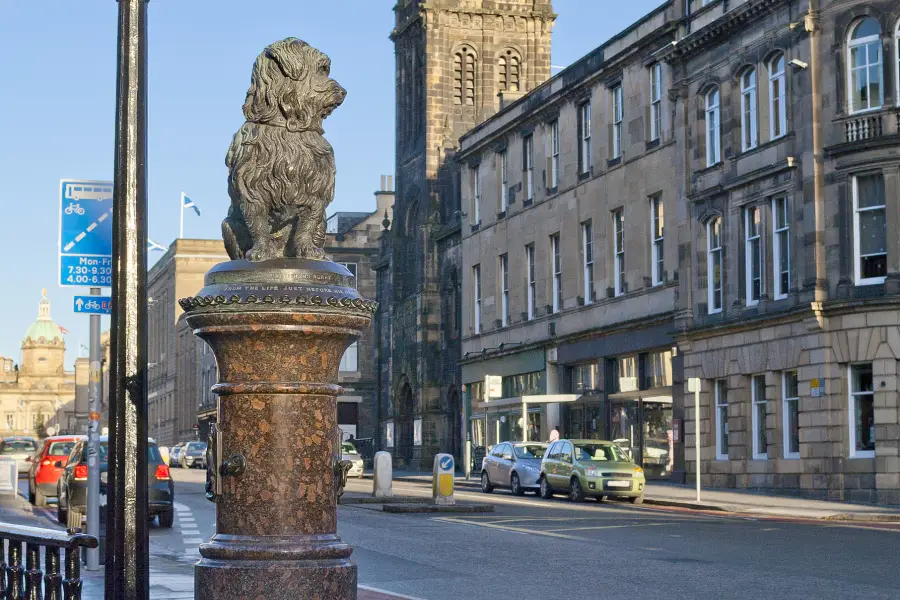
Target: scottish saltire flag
(188, 203)
(151, 246)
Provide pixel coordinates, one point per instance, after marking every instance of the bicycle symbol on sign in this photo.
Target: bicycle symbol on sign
(92, 305)
(74, 208)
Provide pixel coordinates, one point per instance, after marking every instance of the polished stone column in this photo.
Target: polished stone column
(278, 329)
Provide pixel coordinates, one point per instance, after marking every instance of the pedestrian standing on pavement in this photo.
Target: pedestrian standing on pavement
(554, 435)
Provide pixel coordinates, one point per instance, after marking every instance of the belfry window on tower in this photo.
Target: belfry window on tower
(464, 62)
(508, 68)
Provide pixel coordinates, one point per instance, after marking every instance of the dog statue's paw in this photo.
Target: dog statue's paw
(310, 250)
(261, 250)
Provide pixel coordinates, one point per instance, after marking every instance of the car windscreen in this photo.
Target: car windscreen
(600, 452)
(61, 448)
(17, 447)
(348, 448)
(196, 447)
(529, 451)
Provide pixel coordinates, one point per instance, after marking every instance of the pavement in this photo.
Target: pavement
(731, 501)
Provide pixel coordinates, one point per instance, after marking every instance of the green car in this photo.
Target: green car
(590, 468)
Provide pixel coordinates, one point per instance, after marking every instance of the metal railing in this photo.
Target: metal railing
(29, 582)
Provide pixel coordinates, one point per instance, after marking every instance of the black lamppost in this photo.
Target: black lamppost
(127, 550)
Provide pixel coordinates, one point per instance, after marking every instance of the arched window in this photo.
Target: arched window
(713, 129)
(865, 65)
(777, 98)
(749, 120)
(508, 67)
(464, 62)
(714, 278)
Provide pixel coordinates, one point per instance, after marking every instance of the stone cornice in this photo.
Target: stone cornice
(731, 21)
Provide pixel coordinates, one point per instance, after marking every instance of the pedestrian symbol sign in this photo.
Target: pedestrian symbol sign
(85, 233)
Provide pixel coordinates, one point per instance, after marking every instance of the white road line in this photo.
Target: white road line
(193, 541)
(387, 592)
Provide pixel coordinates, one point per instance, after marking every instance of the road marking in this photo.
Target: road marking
(386, 592)
(193, 541)
(509, 528)
(612, 526)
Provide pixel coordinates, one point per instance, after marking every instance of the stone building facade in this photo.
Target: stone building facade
(457, 62)
(789, 282)
(174, 353)
(352, 239)
(569, 258)
(768, 132)
(38, 396)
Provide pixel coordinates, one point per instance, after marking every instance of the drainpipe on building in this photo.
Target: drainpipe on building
(812, 27)
(811, 24)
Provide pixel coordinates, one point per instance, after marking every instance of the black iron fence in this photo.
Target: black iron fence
(28, 581)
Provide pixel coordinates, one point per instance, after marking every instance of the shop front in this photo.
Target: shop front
(626, 398)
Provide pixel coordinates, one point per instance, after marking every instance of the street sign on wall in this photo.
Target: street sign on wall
(85, 233)
(93, 305)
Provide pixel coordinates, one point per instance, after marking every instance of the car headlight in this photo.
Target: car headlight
(638, 471)
(591, 472)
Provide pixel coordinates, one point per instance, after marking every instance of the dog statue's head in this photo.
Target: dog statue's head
(291, 87)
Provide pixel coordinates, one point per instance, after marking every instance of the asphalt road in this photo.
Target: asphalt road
(535, 549)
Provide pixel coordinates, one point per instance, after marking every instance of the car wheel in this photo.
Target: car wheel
(637, 499)
(62, 515)
(486, 486)
(515, 485)
(576, 492)
(546, 492)
(31, 495)
(40, 500)
(167, 519)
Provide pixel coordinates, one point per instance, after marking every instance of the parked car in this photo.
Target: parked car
(22, 449)
(193, 454)
(590, 468)
(175, 454)
(513, 465)
(72, 485)
(44, 471)
(349, 452)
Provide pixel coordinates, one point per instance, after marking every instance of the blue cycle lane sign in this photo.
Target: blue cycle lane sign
(85, 233)
(93, 305)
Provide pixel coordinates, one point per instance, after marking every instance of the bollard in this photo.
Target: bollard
(442, 480)
(382, 481)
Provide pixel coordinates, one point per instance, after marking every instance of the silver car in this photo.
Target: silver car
(349, 452)
(513, 465)
(22, 449)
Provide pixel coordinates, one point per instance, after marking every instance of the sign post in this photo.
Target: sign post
(85, 259)
(694, 386)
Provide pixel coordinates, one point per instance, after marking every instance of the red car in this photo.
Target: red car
(44, 473)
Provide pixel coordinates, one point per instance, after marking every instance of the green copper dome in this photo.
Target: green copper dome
(44, 327)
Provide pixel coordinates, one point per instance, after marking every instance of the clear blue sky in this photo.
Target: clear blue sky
(58, 99)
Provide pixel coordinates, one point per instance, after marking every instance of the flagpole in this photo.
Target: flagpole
(181, 211)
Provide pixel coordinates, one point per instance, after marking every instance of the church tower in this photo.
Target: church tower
(457, 63)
